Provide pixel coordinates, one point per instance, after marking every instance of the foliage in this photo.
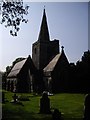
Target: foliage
(12, 14)
(17, 60)
(79, 75)
(82, 68)
(86, 57)
(85, 60)
(70, 105)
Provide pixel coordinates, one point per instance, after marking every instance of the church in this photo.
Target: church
(48, 69)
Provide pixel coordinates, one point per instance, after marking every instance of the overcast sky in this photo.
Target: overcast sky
(67, 22)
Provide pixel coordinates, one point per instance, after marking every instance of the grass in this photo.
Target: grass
(70, 105)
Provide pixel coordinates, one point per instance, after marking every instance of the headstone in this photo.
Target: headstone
(87, 107)
(45, 104)
(56, 115)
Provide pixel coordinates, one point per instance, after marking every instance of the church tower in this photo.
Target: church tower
(43, 50)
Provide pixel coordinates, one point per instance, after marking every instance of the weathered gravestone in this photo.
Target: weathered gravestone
(87, 108)
(56, 115)
(45, 104)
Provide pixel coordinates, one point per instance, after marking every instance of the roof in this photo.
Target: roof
(50, 67)
(52, 64)
(16, 69)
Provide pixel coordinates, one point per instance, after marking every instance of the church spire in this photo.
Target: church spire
(44, 33)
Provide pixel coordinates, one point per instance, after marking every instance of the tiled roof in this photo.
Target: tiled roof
(16, 69)
(52, 64)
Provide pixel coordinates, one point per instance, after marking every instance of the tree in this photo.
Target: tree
(17, 60)
(12, 14)
(83, 68)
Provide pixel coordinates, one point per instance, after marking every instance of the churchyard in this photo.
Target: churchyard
(71, 106)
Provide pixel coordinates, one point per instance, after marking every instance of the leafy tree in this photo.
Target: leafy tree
(17, 60)
(83, 68)
(12, 14)
(86, 57)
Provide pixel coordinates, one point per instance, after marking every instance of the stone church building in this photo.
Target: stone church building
(43, 50)
(47, 70)
(21, 78)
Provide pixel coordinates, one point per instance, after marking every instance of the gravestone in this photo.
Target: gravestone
(45, 104)
(56, 115)
(87, 108)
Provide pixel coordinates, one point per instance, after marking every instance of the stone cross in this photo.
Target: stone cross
(62, 47)
(15, 97)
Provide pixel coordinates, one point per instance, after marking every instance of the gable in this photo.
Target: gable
(60, 60)
(52, 64)
(18, 67)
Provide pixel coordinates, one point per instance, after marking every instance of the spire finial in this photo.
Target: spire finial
(44, 10)
(62, 49)
(44, 6)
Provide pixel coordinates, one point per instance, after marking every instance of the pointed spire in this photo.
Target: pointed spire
(44, 33)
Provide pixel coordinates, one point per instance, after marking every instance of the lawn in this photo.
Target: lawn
(70, 105)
